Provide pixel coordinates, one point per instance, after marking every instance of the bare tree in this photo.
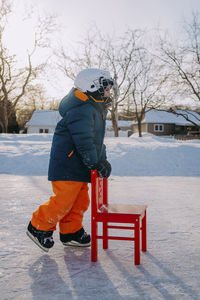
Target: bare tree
(35, 98)
(147, 85)
(121, 56)
(14, 81)
(106, 52)
(182, 60)
(188, 115)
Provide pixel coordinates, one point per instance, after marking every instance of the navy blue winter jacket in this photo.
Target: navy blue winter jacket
(78, 139)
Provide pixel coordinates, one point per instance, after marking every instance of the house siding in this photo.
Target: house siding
(181, 129)
(169, 129)
(36, 129)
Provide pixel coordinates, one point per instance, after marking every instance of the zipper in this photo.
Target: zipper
(70, 154)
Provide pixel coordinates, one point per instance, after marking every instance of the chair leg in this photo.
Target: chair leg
(144, 233)
(105, 235)
(94, 241)
(137, 242)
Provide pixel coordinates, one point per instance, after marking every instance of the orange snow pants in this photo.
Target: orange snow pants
(66, 206)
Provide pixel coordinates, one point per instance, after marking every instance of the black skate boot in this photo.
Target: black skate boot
(43, 239)
(77, 239)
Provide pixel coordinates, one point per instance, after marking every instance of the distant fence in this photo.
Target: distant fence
(187, 137)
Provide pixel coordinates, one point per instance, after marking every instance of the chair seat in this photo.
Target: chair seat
(130, 209)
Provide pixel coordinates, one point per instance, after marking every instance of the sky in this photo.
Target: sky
(75, 18)
(76, 15)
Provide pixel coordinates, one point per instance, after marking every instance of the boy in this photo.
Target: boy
(77, 148)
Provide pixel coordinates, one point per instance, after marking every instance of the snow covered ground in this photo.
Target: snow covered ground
(160, 172)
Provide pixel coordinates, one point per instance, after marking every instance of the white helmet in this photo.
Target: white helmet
(93, 80)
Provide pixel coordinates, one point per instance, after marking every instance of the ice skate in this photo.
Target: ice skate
(43, 239)
(77, 239)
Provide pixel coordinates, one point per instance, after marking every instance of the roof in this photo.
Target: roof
(44, 118)
(158, 116)
(51, 118)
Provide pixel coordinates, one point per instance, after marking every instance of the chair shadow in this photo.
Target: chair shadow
(159, 283)
(47, 283)
(172, 277)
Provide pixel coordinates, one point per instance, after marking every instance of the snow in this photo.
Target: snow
(160, 172)
(156, 116)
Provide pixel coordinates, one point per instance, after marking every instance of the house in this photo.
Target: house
(43, 121)
(160, 122)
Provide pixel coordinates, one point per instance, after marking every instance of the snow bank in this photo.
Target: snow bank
(153, 156)
(134, 156)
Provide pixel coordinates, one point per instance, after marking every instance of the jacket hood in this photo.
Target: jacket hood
(74, 99)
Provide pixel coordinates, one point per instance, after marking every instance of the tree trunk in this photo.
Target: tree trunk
(4, 128)
(114, 124)
(139, 127)
(4, 120)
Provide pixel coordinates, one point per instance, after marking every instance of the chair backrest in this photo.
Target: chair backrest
(99, 187)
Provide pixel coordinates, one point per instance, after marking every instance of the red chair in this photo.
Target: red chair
(114, 213)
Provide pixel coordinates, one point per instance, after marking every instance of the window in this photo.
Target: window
(158, 127)
(43, 130)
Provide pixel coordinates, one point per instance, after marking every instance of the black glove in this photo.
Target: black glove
(103, 168)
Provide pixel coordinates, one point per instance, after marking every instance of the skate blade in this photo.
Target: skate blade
(35, 240)
(76, 244)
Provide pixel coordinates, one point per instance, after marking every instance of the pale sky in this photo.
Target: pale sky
(75, 17)
(117, 14)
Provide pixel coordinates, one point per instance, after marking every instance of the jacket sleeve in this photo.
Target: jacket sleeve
(80, 123)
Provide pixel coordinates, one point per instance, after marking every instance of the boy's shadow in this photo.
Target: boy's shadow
(88, 279)
(47, 283)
